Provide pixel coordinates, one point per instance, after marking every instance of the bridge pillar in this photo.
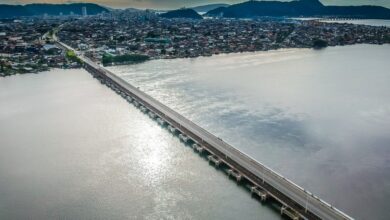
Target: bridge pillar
(152, 115)
(235, 174)
(183, 138)
(171, 129)
(214, 159)
(260, 192)
(143, 109)
(198, 148)
(289, 212)
(161, 121)
(129, 99)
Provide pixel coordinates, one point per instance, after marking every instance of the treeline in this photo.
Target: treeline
(71, 55)
(124, 59)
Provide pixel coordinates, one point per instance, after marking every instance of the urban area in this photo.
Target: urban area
(126, 37)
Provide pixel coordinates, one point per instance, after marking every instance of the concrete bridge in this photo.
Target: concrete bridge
(263, 182)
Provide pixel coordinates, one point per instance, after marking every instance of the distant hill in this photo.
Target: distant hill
(218, 12)
(305, 8)
(132, 9)
(182, 13)
(206, 8)
(11, 11)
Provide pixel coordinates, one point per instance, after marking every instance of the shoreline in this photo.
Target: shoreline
(250, 52)
(213, 55)
(36, 72)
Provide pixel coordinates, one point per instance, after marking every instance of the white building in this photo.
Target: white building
(84, 10)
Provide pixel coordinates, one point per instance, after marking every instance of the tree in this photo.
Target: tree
(127, 58)
(319, 43)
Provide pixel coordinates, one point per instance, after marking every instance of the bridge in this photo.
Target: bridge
(295, 202)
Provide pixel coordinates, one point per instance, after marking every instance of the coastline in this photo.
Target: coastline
(202, 56)
(248, 52)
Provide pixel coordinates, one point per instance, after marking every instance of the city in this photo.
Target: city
(180, 38)
(25, 47)
(150, 110)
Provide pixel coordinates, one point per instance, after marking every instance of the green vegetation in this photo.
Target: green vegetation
(71, 55)
(387, 39)
(2, 66)
(319, 43)
(124, 59)
(8, 70)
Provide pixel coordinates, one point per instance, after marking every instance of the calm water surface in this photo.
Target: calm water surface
(319, 117)
(70, 148)
(372, 22)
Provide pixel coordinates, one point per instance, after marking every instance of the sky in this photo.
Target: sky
(172, 4)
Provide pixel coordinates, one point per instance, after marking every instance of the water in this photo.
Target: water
(70, 148)
(372, 22)
(319, 117)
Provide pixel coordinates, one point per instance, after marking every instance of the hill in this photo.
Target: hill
(182, 13)
(305, 8)
(11, 11)
(206, 8)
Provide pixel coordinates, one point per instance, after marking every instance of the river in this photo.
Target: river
(73, 149)
(371, 22)
(319, 117)
(70, 148)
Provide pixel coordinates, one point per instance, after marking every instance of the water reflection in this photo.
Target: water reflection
(70, 148)
(372, 22)
(320, 118)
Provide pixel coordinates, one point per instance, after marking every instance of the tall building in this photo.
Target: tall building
(84, 10)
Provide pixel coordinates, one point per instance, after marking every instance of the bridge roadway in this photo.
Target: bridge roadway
(303, 203)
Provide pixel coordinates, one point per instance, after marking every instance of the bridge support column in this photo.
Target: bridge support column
(214, 159)
(183, 138)
(260, 192)
(152, 115)
(171, 129)
(161, 121)
(198, 148)
(235, 174)
(289, 212)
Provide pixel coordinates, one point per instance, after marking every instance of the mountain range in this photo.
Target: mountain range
(249, 9)
(206, 8)
(10, 11)
(297, 8)
(182, 13)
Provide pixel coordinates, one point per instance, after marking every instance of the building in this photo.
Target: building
(84, 10)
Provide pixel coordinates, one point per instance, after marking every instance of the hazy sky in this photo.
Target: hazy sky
(164, 4)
